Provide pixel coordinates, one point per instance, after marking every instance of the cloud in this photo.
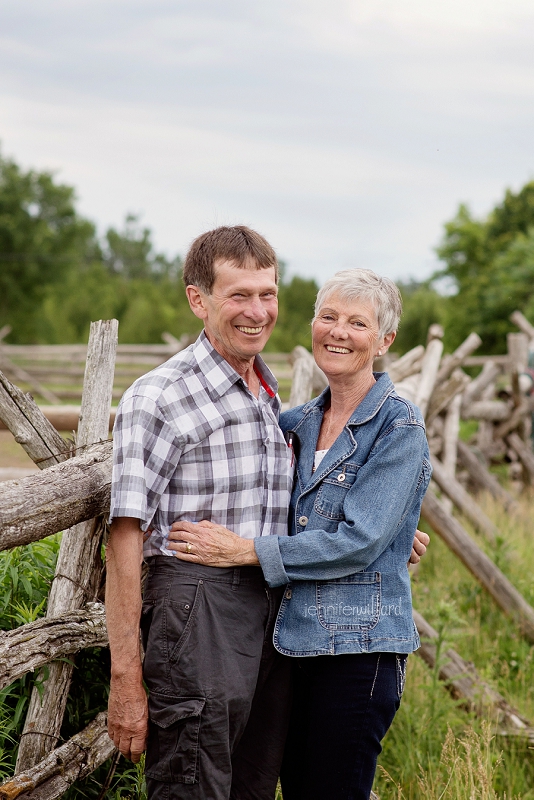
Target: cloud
(346, 130)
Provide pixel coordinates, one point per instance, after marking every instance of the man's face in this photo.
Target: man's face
(240, 313)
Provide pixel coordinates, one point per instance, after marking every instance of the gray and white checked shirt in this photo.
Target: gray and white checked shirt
(191, 442)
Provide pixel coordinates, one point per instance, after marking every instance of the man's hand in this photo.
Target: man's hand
(211, 545)
(420, 543)
(128, 716)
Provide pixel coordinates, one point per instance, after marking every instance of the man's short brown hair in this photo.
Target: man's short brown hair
(239, 244)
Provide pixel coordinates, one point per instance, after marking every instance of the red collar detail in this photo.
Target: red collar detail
(264, 383)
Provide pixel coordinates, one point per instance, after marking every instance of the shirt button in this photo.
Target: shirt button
(303, 520)
(267, 441)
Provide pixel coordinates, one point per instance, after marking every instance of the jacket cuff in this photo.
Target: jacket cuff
(268, 552)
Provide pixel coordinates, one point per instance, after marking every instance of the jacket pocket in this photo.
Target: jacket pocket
(332, 493)
(173, 747)
(351, 603)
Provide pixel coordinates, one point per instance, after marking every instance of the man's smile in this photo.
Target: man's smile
(252, 331)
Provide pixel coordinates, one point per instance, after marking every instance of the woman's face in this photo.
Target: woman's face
(345, 336)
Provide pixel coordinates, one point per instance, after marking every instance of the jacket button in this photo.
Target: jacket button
(303, 520)
(341, 477)
(288, 594)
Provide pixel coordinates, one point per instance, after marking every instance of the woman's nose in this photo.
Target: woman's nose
(339, 331)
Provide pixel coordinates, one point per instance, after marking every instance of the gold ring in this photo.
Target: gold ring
(188, 547)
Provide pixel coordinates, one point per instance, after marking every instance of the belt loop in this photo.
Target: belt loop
(236, 577)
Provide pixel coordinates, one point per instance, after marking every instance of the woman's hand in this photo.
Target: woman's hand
(420, 543)
(211, 545)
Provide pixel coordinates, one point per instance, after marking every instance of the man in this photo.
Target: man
(197, 438)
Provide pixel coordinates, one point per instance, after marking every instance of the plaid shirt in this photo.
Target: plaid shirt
(191, 442)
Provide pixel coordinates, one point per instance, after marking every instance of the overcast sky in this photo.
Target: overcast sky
(346, 131)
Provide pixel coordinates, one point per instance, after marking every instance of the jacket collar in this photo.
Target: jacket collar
(367, 409)
(345, 445)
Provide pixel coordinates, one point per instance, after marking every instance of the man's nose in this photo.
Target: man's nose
(255, 309)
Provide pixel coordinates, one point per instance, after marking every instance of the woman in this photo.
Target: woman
(362, 470)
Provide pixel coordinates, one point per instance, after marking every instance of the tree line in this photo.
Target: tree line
(57, 274)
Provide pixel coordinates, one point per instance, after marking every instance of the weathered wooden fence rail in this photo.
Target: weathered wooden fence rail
(54, 373)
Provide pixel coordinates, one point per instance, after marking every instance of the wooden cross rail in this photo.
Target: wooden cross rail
(31, 646)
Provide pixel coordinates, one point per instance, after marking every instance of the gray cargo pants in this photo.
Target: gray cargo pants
(219, 692)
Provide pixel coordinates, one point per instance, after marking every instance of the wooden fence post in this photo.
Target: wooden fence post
(79, 553)
(484, 480)
(303, 375)
(429, 372)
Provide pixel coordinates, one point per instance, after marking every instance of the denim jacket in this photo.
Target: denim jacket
(351, 527)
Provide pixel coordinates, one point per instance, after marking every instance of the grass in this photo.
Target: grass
(434, 748)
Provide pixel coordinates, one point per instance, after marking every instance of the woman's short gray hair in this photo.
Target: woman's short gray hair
(364, 284)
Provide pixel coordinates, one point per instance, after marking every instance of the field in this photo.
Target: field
(435, 749)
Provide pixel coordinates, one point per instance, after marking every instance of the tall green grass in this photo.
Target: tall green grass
(434, 748)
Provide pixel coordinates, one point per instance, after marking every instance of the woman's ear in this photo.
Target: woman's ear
(197, 301)
(387, 341)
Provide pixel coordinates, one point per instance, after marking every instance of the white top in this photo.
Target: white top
(319, 455)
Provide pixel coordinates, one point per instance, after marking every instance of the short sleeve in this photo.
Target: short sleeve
(146, 452)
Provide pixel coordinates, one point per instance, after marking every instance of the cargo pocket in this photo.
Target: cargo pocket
(173, 738)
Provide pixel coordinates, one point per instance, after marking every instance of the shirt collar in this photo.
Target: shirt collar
(218, 372)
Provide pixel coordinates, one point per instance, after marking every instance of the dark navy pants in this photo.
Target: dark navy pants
(342, 708)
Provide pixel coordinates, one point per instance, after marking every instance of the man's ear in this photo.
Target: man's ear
(197, 301)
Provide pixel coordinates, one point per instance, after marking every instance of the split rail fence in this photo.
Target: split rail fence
(72, 494)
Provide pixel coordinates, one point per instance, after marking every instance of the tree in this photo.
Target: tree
(131, 253)
(490, 262)
(130, 281)
(42, 239)
(422, 306)
(296, 300)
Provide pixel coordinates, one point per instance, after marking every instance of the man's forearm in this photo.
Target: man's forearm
(127, 708)
(123, 594)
